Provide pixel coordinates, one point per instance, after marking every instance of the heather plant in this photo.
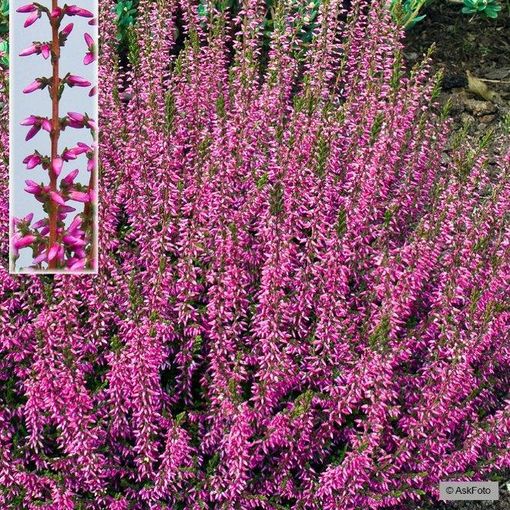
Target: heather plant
(301, 302)
(55, 244)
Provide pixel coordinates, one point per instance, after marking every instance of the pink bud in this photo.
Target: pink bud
(74, 10)
(75, 224)
(40, 258)
(77, 81)
(24, 241)
(53, 252)
(32, 187)
(56, 13)
(45, 50)
(32, 132)
(32, 87)
(56, 198)
(69, 179)
(78, 117)
(67, 208)
(79, 196)
(32, 19)
(88, 59)
(28, 218)
(32, 161)
(93, 21)
(30, 121)
(27, 8)
(46, 125)
(56, 165)
(80, 264)
(75, 241)
(93, 91)
(67, 29)
(88, 40)
(29, 51)
(40, 223)
(69, 154)
(91, 164)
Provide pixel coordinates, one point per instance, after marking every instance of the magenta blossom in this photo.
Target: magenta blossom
(67, 30)
(56, 165)
(79, 196)
(35, 85)
(69, 178)
(91, 54)
(25, 241)
(57, 198)
(32, 160)
(77, 81)
(74, 10)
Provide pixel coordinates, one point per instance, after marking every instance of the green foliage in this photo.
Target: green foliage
(488, 8)
(4, 17)
(126, 11)
(407, 12)
(4, 31)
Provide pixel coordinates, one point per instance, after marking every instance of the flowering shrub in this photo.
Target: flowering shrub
(54, 244)
(301, 302)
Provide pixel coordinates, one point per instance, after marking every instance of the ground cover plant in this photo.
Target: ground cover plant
(300, 302)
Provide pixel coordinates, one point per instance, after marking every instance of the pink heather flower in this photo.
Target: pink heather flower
(28, 218)
(42, 257)
(67, 208)
(90, 56)
(93, 91)
(53, 251)
(67, 30)
(77, 81)
(69, 178)
(77, 117)
(79, 264)
(56, 165)
(69, 154)
(46, 125)
(57, 198)
(75, 224)
(30, 121)
(79, 196)
(74, 10)
(56, 13)
(93, 21)
(32, 132)
(32, 187)
(24, 241)
(34, 49)
(45, 50)
(32, 18)
(32, 161)
(36, 85)
(40, 223)
(27, 8)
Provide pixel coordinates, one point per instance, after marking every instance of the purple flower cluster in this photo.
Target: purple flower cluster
(303, 301)
(55, 245)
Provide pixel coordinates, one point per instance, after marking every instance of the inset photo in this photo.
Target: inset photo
(53, 134)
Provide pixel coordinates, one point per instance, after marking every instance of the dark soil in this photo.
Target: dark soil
(469, 44)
